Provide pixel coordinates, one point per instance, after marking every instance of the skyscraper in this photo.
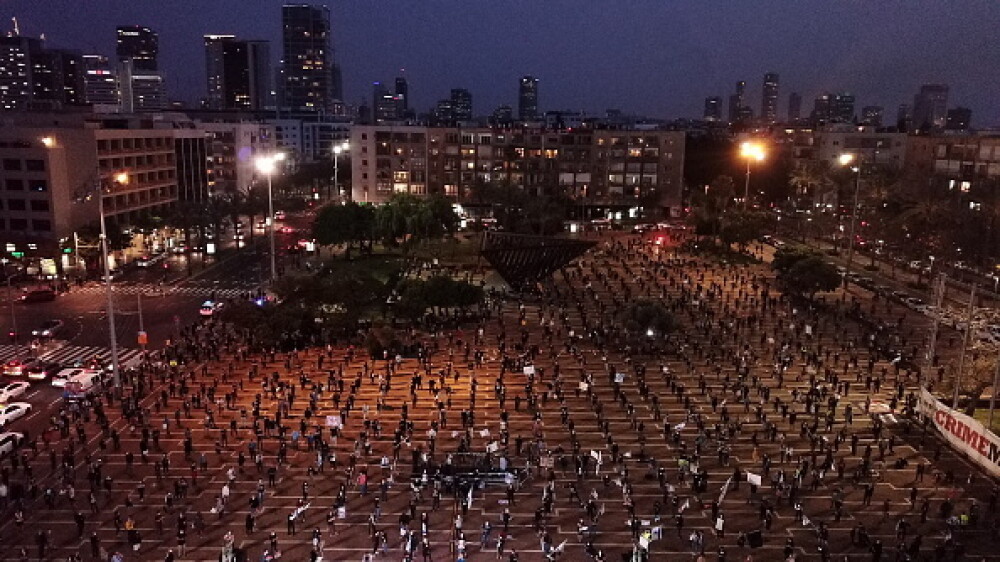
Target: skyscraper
(842, 107)
(527, 99)
(461, 103)
(713, 109)
(141, 90)
(32, 76)
(794, 107)
(904, 118)
(930, 106)
(769, 99)
(100, 81)
(872, 115)
(307, 58)
(238, 73)
(736, 104)
(403, 94)
(385, 104)
(822, 109)
(139, 44)
(958, 119)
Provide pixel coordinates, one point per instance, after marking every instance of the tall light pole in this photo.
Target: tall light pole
(750, 151)
(847, 159)
(267, 166)
(337, 149)
(120, 178)
(10, 297)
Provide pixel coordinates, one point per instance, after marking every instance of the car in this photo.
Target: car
(39, 371)
(149, 260)
(59, 379)
(279, 215)
(48, 329)
(9, 442)
(286, 230)
(14, 368)
(14, 411)
(11, 390)
(38, 295)
(209, 308)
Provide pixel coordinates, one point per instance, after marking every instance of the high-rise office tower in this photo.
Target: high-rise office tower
(822, 109)
(769, 99)
(141, 85)
(527, 99)
(872, 115)
(100, 81)
(403, 94)
(794, 107)
(930, 106)
(141, 90)
(307, 58)
(461, 103)
(842, 107)
(139, 44)
(713, 109)
(904, 118)
(502, 116)
(444, 113)
(736, 102)
(386, 105)
(32, 76)
(238, 73)
(958, 119)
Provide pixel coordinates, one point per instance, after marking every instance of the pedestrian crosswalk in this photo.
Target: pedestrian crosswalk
(67, 354)
(149, 290)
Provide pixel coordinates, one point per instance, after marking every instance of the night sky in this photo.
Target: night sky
(659, 58)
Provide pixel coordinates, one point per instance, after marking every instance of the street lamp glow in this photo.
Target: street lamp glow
(121, 178)
(753, 151)
(265, 164)
(846, 159)
(49, 142)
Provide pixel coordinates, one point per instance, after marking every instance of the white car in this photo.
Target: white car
(9, 442)
(12, 390)
(59, 379)
(14, 411)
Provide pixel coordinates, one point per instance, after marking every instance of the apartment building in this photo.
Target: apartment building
(599, 168)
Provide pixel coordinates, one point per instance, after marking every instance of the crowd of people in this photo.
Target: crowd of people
(762, 427)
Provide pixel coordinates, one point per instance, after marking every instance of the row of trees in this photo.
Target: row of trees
(402, 221)
(913, 214)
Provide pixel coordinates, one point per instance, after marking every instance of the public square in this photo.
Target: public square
(608, 437)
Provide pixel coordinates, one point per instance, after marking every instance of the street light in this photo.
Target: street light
(267, 165)
(847, 159)
(337, 149)
(750, 151)
(98, 191)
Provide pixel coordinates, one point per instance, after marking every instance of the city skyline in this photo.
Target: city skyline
(652, 60)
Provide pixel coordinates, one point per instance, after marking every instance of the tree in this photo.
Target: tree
(646, 317)
(787, 256)
(811, 181)
(743, 227)
(347, 224)
(809, 276)
(978, 376)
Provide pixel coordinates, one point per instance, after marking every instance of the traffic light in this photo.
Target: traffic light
(17, 254)
(67, 250)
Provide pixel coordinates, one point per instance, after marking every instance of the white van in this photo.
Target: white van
(82, 384)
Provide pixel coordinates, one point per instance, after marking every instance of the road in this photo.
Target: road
(171, 293)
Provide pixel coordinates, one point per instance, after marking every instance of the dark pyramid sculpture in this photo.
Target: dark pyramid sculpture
(523, 260)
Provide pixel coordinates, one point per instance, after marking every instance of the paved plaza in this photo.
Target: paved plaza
(609, 440)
